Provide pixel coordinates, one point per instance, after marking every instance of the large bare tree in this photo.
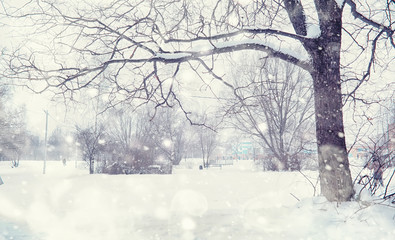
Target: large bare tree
(144, 48)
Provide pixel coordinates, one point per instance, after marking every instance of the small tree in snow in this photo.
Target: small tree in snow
(207, 141)
(90, 142)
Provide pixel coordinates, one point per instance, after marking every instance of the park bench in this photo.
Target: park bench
(219, 163)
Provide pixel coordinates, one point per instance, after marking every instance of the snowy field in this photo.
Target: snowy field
(234, 202)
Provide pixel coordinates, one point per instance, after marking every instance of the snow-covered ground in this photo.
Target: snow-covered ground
(234, 202)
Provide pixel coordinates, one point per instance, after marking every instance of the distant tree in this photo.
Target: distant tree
(89, 140)
(191, 145)
(143, 138)
(122, 128)
(33, 147)
(129, 148)
(12, 130)
(58, 147)
(208, 143)
(275, 106)
(207, 139)
(168, 126)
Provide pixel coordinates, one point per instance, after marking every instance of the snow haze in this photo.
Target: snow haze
(235, 202)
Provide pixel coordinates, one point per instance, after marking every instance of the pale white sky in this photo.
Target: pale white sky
(36, 105)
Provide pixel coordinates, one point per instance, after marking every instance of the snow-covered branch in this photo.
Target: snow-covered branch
(253, 31)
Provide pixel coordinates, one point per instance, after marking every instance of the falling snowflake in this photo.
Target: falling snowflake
(167, 143)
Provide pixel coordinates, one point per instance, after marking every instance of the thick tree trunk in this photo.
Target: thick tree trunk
(284, 162)
(335, 175)
(91, 166)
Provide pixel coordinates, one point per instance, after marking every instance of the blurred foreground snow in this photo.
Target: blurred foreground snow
(234, 202)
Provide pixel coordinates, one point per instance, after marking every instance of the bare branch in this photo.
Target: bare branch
(383, 28)
(366, 75)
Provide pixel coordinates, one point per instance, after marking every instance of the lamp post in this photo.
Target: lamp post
(69, 139)
(77, 145)
(45, 141)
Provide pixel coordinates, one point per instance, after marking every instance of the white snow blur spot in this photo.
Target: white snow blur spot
(339, 159)
(69, 139)
(340, 3)
(92, 92)
(341, 135)
(313, 31)
(188, 224)
(161, 159)
(262, 127)
(327, 167)
(262, 220)
(173, 55)
(146, 148)
(302, 100)
(244, 2)
(167, 143)
(162, 213)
